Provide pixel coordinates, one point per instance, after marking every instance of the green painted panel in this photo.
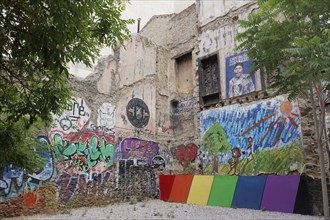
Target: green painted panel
(222, 191)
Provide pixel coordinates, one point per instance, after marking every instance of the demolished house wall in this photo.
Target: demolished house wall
(162, 105)
(109, 144)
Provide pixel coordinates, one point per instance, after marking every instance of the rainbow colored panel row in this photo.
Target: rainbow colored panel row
(272, 193)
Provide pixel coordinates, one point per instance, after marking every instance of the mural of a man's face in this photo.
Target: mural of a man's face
(238, 70)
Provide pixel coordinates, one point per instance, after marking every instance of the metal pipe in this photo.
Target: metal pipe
(138, 25)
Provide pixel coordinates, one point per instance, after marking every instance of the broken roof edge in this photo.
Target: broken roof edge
(165, 17)
(193, 5)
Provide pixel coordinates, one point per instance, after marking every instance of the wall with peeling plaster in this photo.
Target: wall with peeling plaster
(139, 114)
(208, 11)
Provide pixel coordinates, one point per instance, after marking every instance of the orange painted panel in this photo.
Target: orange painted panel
(180, 189)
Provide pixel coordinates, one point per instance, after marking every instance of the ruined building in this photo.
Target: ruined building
(175, 99)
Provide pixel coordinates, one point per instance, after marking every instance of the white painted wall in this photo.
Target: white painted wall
(137, 60)
(211, 9)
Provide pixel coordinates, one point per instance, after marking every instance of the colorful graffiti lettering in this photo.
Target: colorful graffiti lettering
(47, 172)
(67, 186)
(84, 154)
(132, 148)
(12, 181)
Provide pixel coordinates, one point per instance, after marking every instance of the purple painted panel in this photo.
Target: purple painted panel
(132, 148)
(280, 193)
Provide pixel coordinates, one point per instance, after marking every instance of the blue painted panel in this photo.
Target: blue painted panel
(249, 192)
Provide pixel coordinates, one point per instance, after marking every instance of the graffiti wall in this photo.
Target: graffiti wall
(213, 40)
(85, 152)
(80, 162)
(106, 116)
(85, 155)
(14, 181)
(74, 117)
(184, 105)
(248, 140)
(133, 148)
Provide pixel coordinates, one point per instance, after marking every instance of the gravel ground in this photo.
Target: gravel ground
(157, 209)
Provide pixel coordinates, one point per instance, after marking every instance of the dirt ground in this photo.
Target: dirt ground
(157, 209)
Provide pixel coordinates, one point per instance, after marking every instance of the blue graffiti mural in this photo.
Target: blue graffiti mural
(47, 171)
(13, 180)
(270, 124)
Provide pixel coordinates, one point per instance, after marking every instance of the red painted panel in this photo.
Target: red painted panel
(165, 186)
(180, 189)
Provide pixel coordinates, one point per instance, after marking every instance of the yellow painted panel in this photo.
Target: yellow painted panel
(200, 190)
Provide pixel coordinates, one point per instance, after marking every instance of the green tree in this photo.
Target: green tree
(24, 147)
(38, 38)
(215, 141)
(292, 38)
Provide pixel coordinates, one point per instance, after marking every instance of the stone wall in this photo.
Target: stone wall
(156, 29)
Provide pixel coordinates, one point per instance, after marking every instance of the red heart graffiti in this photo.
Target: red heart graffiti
(186, 153)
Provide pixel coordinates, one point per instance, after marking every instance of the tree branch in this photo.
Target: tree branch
(16, 77)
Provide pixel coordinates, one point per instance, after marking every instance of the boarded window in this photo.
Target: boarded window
(184, 74)
(209, 83)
